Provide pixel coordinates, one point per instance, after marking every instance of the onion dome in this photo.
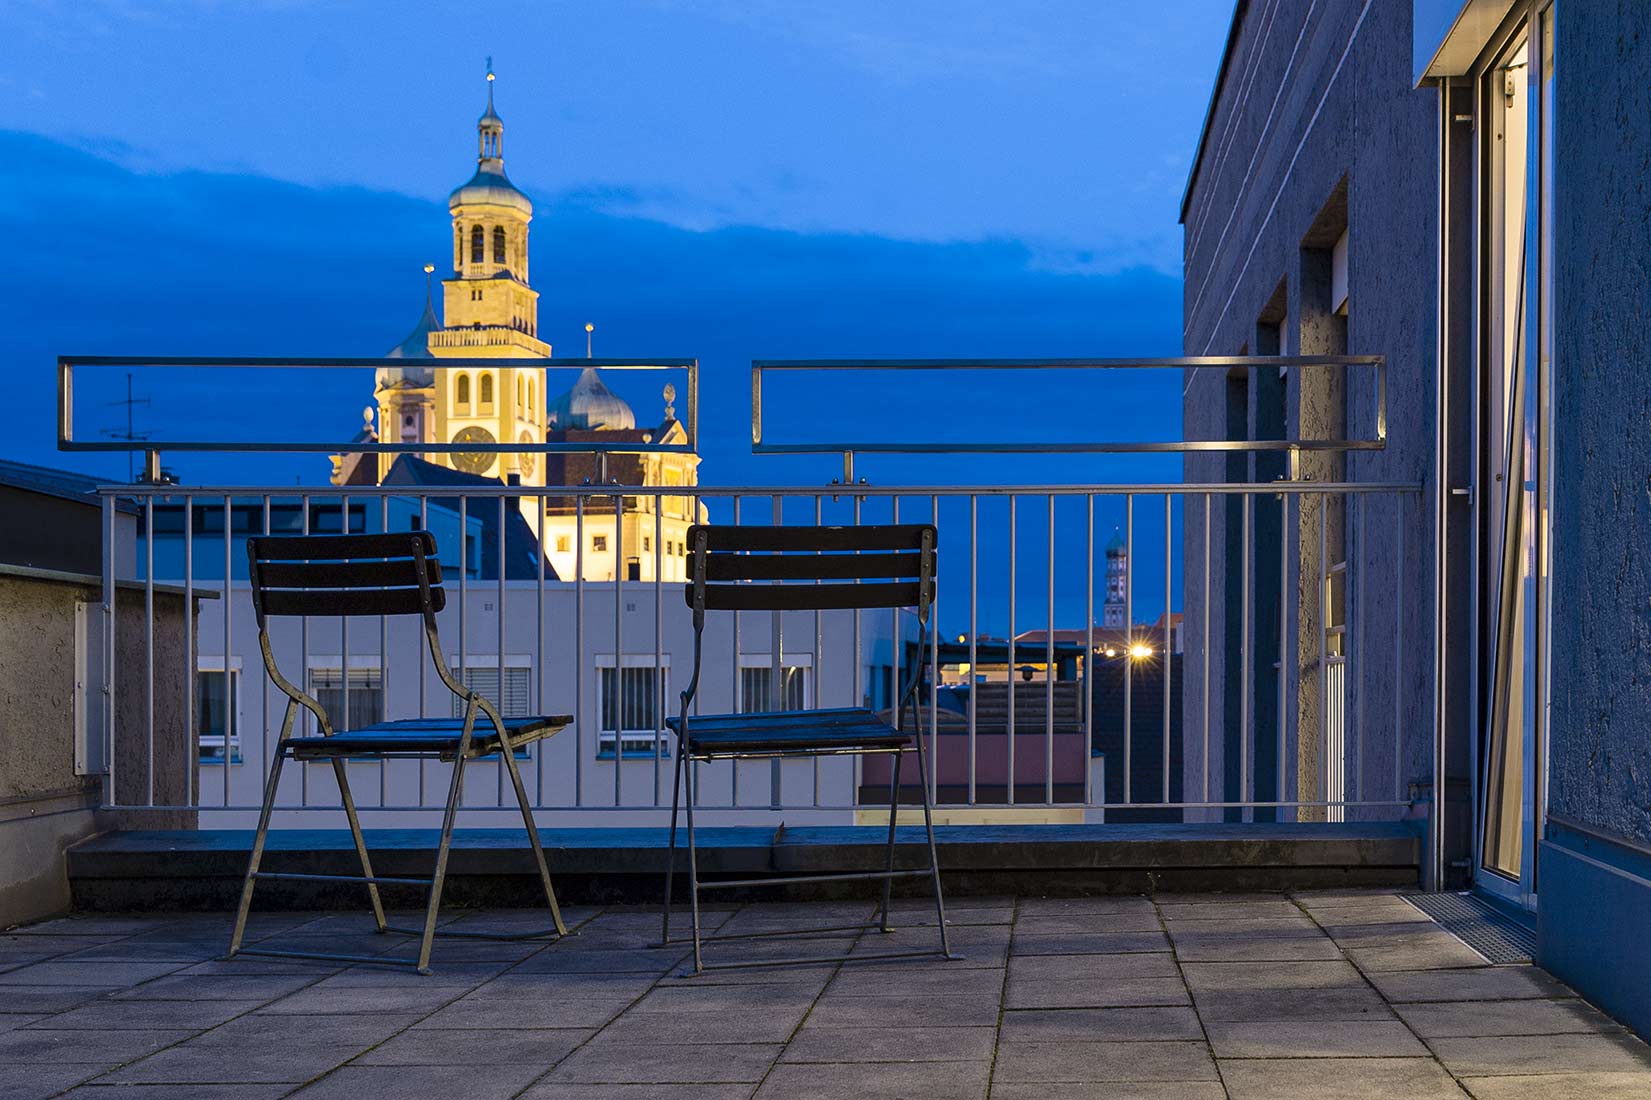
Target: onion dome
(590, 405)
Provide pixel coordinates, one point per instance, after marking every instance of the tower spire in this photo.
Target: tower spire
(490, 127)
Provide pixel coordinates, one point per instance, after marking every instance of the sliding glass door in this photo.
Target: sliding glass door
(1515, 337)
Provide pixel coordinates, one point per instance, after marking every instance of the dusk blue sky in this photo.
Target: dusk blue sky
(722, 180)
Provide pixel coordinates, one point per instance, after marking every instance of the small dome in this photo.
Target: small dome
(490, 186)
(415, 346)
(1115, 547)
(589, 405)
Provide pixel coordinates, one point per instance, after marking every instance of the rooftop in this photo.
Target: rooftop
(1319, 994)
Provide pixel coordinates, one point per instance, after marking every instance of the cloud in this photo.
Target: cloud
(109, 260)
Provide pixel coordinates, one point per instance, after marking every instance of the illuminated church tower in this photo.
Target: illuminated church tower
(489, 312)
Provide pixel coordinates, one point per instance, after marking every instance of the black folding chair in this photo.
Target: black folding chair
(747, 569)
(391, 574)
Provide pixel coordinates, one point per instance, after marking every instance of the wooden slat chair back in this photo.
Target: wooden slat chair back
(380, 575)
(780, 569)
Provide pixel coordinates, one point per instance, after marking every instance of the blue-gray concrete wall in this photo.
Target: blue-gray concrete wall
(1317, 99)
(1594, 865)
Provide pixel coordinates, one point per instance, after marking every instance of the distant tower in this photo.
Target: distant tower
(1117, 578)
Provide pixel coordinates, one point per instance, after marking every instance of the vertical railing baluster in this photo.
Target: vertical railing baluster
(464, 608)
(384, 660)
(974, 637)
(819, 656)
(734, 691)
(1129, 646)
(1398, 652)
(579, 716)
(231, 716)
(149, 641)
(619, 641)
(1010, 723)
(1356, 663)
(660, 696)
(418, 650)
(499, 772)
(191, 664)
(304, 667)
(112, 793)
(1086, 757)
(1321, 626)
(1049, 671)
(934, 671)
(1208, 499)
(1246, 777)
(537, 678)
(340, 721)
(263, 687)
(776, 669)
(1169, 637)
(1288, 655)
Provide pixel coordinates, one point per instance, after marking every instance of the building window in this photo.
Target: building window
(217, 725)
(483, 676)
(757, 694)
(561, 544)
(487, 390)
(521, 392)
(461, 391)
(498, 244)
(599, 544)
(365, 692)
(647, 543)
(629, 706)
(477, 243)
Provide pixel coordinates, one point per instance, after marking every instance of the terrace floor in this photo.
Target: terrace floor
(1190, 997)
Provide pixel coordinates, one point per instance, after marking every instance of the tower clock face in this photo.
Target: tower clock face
(526, 459)
(473, 462)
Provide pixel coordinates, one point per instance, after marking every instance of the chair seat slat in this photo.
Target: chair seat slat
(899, 536)
(807, 597)
(808, 567)
(311, 547)
(358, 601)
(402, 573)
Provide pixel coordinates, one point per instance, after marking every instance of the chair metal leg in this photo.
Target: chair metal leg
(339, 772)
(532, 834)
(934, 859)
(670, 851)
(434, 905)
(693, 867)
(270, 787)
(894, 810)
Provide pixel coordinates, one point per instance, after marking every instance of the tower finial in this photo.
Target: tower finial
(428, 270)
(589, 328)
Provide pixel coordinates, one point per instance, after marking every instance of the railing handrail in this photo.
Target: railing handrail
(1231, 362)
(1174, 488)
(66, 440)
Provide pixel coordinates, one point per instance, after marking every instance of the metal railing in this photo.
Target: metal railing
(1221, 758)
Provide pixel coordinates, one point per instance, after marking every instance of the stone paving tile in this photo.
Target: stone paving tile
(147, 950)
(1321, 1039)
(263, 1048)
(1291, 946)
(560, 1090)
(42, 1045)
(1098, 968)
(646, 1028)
(1091, 994)
(894, 1044)
(523, 1013)
(214, 987)
(1383, 911)
(912, 1010)
(495, 1082)
(877, 1081)
(36, 999)
(37, 1082)
(1562, 1086)
(1103, 1061)
(1088, 923)
(92, 925)
(1608, 1052)
(464, 1047)
(1216, 907)
(1086, 943)
(599, 1062)
(683, 995)
(1239, 977)
(63, 972)
(111, 1015)
(1421, 946)
(1342, 1078)
(1090, 1024)
(10, 1021)
(916, 978)
(566, 958)
(320, 1000)
(1307, 1005)
(1486, 983)
(1112, 1090)
(95, 1091)
(1446, 1019)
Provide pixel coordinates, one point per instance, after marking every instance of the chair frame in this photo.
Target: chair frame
(779, 598)
(361, 553)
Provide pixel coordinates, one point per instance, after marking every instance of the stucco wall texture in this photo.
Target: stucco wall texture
(1317, 98)
(1600, 752)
